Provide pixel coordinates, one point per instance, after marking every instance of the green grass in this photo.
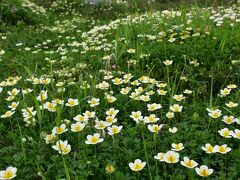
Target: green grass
(83, 45)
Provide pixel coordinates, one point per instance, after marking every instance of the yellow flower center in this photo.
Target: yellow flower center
(226, 133)
(59, 130)
(77, 128)
(138, 166)
(204, 172)
(94, 139)
(8, 174)
(171, 159)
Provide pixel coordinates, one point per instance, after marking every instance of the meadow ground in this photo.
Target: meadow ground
(119, 90)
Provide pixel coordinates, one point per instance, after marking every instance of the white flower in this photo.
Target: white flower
(153, 107)
(77, 127)
(228, 119)
(114, 130)
(137, 165)
(214, 113)
(112, 112)
(204, 171)
(236, 134)
(42, 96)
(173, 130)
(222, 149)
(155, 128)
(179, 97)
(208, 148)
(93, 102)
(176, 108)
(7, 114)
(225, 133)
(168, 62)
(101, 124)
(171, 157)
(170, 115)
(159, 157)
(177, 147)
(188, 163)
(9, 173)
(81, 118)
(231, 104)
(94, 139)
(62, 147)
(89, 114)
(136, 116)
(151, 119)
(72, 102)
(59, 130)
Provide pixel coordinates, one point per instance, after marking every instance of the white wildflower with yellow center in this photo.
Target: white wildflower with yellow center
(9, 173)
(168, 62)
(236, 133)
(62, 147)
(101, 124)
(125, 91)
(89, 114)
(176, 108)
(232, 86)
(214, 113)
(45, 81)
(77, 127)
(231, 104)
(177, 147)
(187, 91)
(50, 106)
(112, 112)
(81, 118)
(171, 157)
(111, 98)
(136, 116)
(159, 157)
(145, 98)
(117, 81)
(49, 138)
(188, 163)
(222, 149)
(111, 119)
(154, 106)
(179, 97)
(170, 115)
(13, 105)
(72, 102)
(93, 102)
(151, 119)
(173, 130)
(59, 130)
(161, 85)
(225, 132)
(208, 148)
(131, 51)
(94, 139)
(13, 92)
(42, 95)
(137, 165)
(225, 92)
(204, 171)
(155, 128)
(228, 119)
(114, 130)
(7, 114)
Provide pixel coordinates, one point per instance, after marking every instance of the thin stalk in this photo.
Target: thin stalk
(146, 156)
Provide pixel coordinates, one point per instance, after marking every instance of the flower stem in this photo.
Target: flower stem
(146, 156)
